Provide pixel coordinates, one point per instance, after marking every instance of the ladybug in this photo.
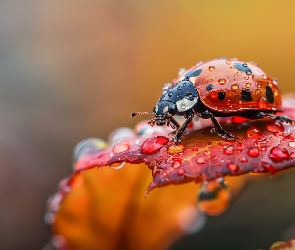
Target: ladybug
(218, 88)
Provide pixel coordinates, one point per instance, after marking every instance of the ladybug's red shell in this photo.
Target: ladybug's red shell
(229, 85)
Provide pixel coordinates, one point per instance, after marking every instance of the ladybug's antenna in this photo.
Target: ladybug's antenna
(141, 113)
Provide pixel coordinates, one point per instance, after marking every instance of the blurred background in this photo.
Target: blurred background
(70, 70)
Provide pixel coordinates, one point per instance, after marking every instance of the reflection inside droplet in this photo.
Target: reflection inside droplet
(214, 197)
(117, 166)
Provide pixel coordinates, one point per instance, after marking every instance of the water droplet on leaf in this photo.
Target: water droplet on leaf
(153, 145)
(253, 152)
(278, 154)
(214, 197)
(254, 132)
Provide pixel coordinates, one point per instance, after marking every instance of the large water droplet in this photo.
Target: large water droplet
(214, 197)
(248, 72)
(254, 132)
(253, 152)
(153, 145)
(278, 154)
(275, 126)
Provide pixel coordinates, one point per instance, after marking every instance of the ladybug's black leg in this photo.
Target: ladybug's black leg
(175, 123)
(283, 119)
(224, 134)
(189, 116)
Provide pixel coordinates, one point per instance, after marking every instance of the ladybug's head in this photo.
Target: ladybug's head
(176, 99)
(163, 112)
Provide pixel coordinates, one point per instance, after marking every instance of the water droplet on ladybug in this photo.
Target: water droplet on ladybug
(248, 72)
(222, 81)
(228, 62)
(153, 145)
(275, 126)
(275, 92)
(278, 154)
(246, 77)
(235, 86)
(253, 152)
(170, 94)
(232, 66)
(228, 76)
(292, 144)
(179, 87)
(275, 81)
(262, 104)
(245, 65)
(214, 197)
(254, 132)
(292, 155)
(229, 150)
(248, 85)
(211, 68)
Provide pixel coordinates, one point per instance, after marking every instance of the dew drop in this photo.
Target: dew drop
(233, 167)
(254, 132)
(207, 152)
(275, 126)
(170, 94)
(248, 85)
(235, 86)
(214, 197)
(153, 145)
(248, 72)
(291, 144)
(222, 81)
(201, 160)
(263, 148)
(180, 172)
(246, 77)
(211, 68)
(228, 62)
(245, 65)
(278, 154)
(292, 155)
(262, 104)
(243, 159)
(240, 146)
(117, 166)
(119, 148)
(253, 152)
(175, 149)
(275, 81)
(229, 150)
(176, 164)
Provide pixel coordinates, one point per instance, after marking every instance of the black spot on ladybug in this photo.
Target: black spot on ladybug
(269, 94)
(193, 73)
(209, 87)
(243, 67)
(221, 95)
(246, 95)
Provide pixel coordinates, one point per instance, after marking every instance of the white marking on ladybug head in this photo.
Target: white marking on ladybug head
(156, 109)
(185, 104)
(165, 110)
